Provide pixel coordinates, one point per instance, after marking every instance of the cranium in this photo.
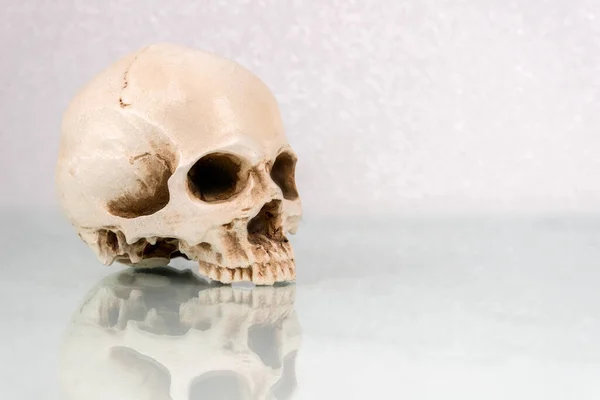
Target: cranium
(177, 152)
(169, 335)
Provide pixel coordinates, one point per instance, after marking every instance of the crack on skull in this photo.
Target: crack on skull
(123, 103)
(135, 158)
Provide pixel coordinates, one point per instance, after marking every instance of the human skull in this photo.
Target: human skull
(168, 335)
(177, 152)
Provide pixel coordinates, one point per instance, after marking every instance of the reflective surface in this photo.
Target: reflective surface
(166, 334)
(383, 308)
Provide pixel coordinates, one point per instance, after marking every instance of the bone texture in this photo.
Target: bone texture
(173, 152)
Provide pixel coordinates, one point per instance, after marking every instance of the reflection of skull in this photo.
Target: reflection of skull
(176, 152)
(168, 335)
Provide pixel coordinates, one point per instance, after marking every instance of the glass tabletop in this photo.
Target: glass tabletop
(417, 308)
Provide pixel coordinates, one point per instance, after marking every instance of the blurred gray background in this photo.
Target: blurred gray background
(398, 107)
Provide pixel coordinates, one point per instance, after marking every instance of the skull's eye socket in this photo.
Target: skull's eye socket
(215, 177)
(283, 174)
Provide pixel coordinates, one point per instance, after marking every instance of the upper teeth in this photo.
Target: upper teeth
(258, 273)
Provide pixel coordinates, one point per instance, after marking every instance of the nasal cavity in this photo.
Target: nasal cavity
(267, 224)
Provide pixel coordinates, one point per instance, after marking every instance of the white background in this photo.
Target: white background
(402, 106)
(395, 107)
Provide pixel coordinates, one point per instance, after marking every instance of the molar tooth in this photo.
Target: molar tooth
(135, 257)
(204, 268)
(226, 275)
(213, 273)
